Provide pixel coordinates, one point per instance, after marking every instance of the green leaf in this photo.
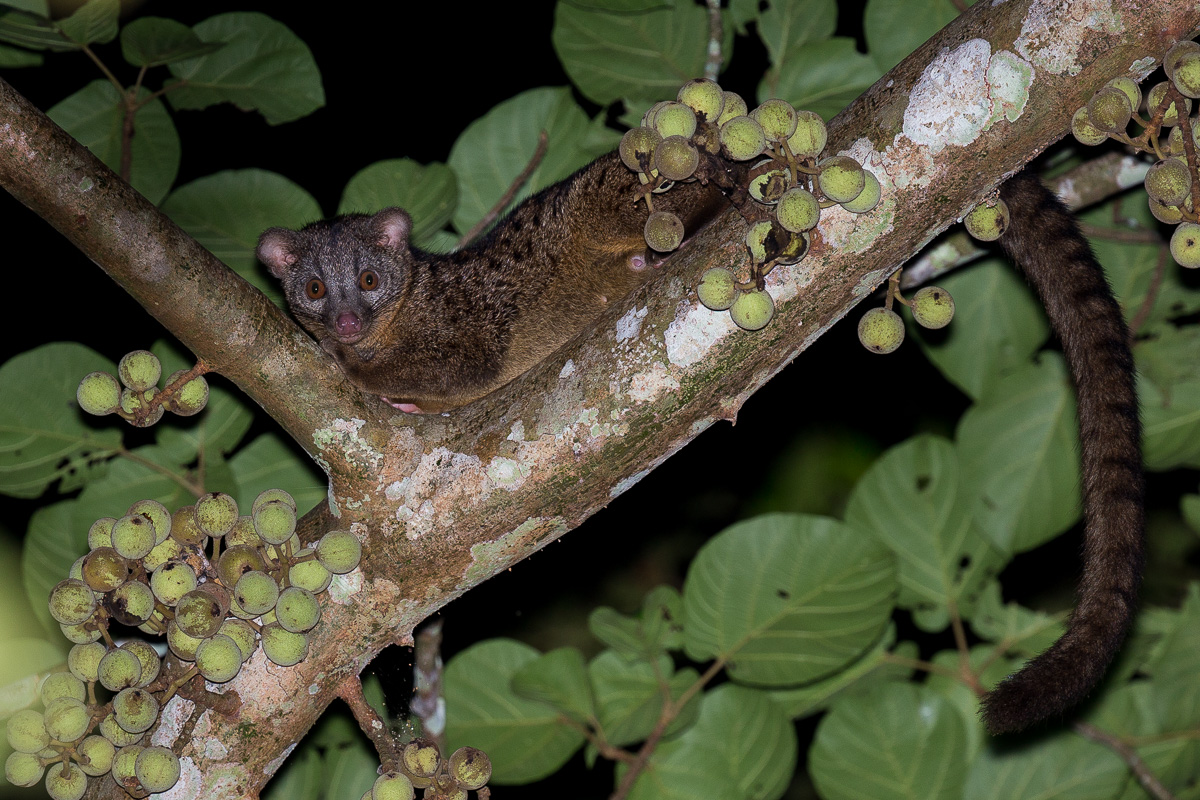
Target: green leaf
(95, 22)
(495, 149)
(216, 430)
(742, 13)
(227, 211)
(1169, 389)
(269, 462)
(1133, 268)
(1020, 629)
(742, 747)
(560, 679)
(629, 695)
(352, 770)
(302, 777)
(1170, 425)
(896, 742)
(21, 661)
(1176, 658)
(1189, 507)
(145, 474)
(786, 28)
(1001, 325)
(1019, 453)
(875, 666)
(624, 5)
(14, 58)
(525, 739)
(263, 67)
(913, 502)
(32, 30)
(44, 436)
(623, 634)
(39, 7)
(787, 598)
(428, 193)
(816, 472)
(658, 629)
(1064, 766)
(56, 537)
(154, 41)
(609, 55)
(375, 696)
(335, 729)
(95, 116)
(894, 28)
(823, 77)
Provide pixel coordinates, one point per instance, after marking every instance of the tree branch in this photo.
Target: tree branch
(443, 503)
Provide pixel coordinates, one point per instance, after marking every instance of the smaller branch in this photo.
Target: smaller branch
(87, 51)
(1143, 313)
(371, 723)
(670, 711)
(1145, 776)
(712, 64)
(924, 666)
(966, 674)
(1189, 145)
(538, 154)
(1138, 236)
(428, 704)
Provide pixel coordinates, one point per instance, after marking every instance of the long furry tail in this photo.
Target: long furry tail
(1045, 241)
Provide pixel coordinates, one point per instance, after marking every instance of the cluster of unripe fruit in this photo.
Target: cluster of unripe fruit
(421, 766)
(881, 330)
(1168, 106)
(149, 570)
(790, 183)
(136, 397)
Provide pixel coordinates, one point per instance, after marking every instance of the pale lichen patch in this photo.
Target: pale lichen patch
(343, 435)
(627, 483)
(275, 763)
(690, 337)
(171, 720)
(517, 434)
(1051, 39)
(568, 369)
(949, 104)
(507, 473)
(343, 588)
(1132, 172)
(491, 557)
(1009, 78)
(630, 325)
(189, 785)
(1141, 68)
(856, 233)
(650, 384)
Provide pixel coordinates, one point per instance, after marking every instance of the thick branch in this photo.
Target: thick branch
(443, 503)
(202, 302)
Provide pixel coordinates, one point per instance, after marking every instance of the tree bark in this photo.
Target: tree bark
(441, 503)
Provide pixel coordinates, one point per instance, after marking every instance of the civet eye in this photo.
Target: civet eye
(315, 289)
(368, 280)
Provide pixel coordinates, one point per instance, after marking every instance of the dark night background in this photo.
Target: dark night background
(401, 86)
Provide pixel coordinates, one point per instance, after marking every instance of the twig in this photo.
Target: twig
(371, 723)
(1143, 312)
(1146, 778)
(479, 227)
(428, 704)
(712, 64)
